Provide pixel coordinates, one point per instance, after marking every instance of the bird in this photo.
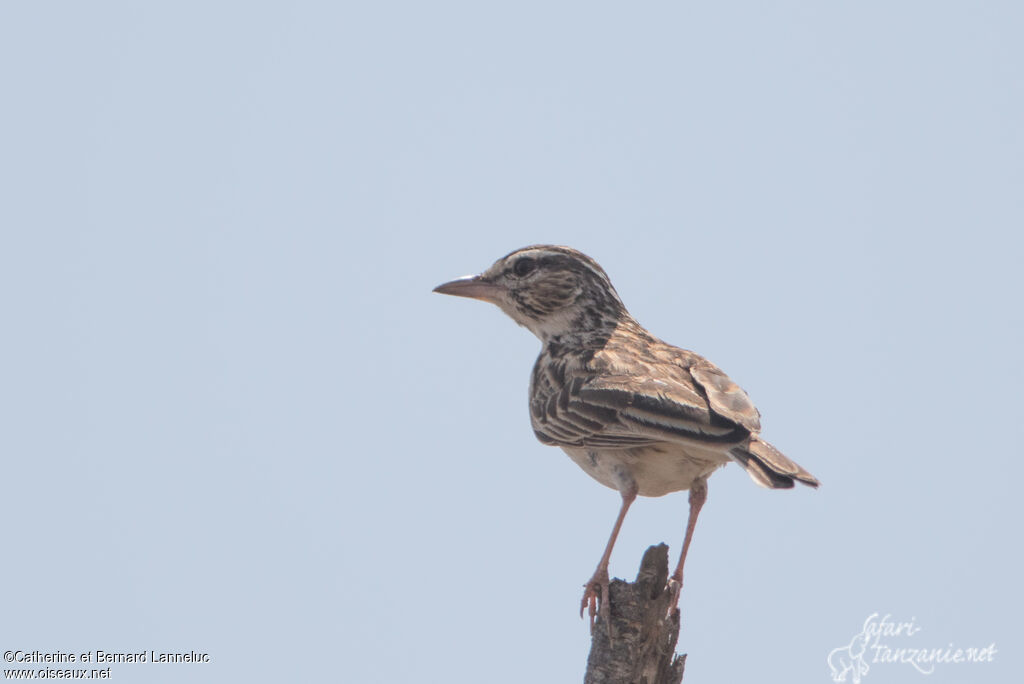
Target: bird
(637, 414)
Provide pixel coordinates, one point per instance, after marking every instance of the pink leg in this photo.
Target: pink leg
(597, 587)
(698, 495)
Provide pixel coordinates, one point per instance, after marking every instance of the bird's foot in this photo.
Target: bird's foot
(595, 598)
(675, 586)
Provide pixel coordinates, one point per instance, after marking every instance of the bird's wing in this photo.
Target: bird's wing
(562, 417)
(669, 395)
(664, 408)
(616, 410)
(630, 393)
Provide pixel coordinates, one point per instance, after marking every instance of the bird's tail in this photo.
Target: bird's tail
(768, 467)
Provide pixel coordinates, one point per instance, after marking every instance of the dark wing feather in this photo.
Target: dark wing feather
(726, 398)
(563, 418)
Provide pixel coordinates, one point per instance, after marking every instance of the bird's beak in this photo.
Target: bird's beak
(474, 287)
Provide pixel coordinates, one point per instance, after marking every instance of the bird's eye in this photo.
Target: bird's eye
(524, 266)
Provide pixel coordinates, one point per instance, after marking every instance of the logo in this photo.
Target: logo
(883, 641)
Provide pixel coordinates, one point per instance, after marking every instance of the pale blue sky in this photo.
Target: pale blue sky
(236, 420)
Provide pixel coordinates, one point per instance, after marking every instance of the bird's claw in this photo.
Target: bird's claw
(675, 586)
(595, 598)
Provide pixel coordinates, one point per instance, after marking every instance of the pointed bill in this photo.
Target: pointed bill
(474, 287)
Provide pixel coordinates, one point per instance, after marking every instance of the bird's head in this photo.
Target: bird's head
(550, 290)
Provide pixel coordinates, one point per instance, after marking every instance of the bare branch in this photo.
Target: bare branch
(645, 628)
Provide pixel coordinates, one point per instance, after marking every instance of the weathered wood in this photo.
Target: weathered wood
(645, 629)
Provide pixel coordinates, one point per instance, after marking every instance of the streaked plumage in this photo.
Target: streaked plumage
(637, 414)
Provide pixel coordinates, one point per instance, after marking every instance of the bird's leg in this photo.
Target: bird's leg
(595, 591)
(698, 495)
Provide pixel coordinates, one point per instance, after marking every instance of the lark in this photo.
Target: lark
(638, 415)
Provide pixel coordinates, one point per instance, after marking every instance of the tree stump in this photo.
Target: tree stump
(645, 629)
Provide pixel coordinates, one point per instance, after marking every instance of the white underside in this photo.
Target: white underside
(657, 470)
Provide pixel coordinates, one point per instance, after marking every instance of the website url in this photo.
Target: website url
(51, 673)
